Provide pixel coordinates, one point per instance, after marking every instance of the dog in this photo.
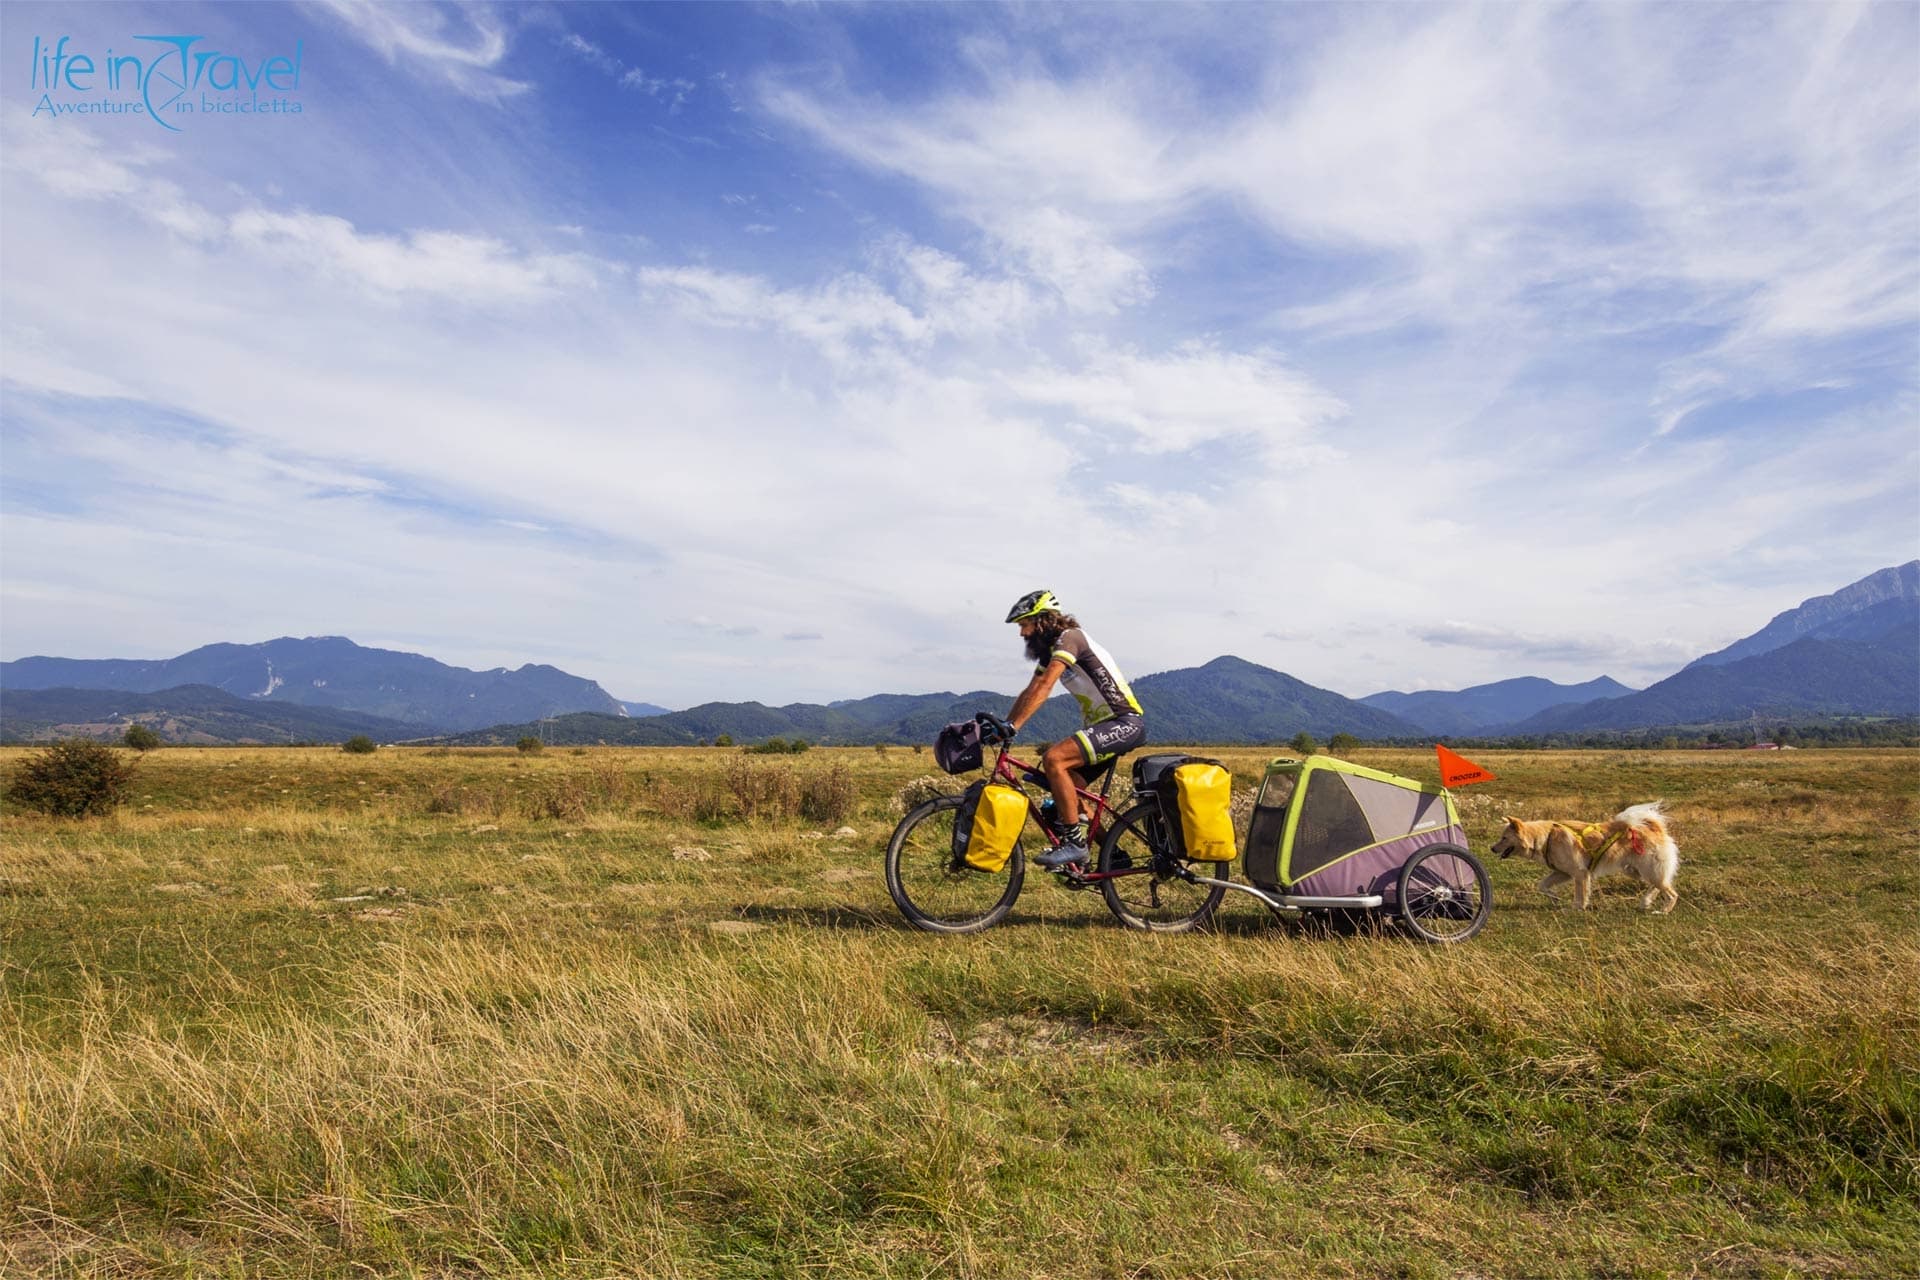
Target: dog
(1635, 841)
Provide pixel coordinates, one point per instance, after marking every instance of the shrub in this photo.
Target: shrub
(1303, 743)
(780, 747)
(701, 800)
(491, 802)
(530, 745)
(1341, 743)
(724, 740)
(359, 745)
(827, 796)
(563, 798)
(140, 738)
(72, 780)
(922, 789)
(763, 792)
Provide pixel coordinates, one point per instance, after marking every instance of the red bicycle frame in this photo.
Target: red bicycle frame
(1015, 773)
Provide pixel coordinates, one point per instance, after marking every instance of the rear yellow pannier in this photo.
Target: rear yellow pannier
(988, 825)
(1203, 806)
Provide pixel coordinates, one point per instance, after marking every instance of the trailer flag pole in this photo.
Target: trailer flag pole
(1458, 771)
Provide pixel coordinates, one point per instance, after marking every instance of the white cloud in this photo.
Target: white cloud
(1069, 255)
(1189, 396)
(464, 45)
(468, 268)
(475, 269)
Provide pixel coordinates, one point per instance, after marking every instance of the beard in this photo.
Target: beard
(1040, 643)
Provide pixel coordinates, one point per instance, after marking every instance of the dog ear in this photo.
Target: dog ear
(1512, 822)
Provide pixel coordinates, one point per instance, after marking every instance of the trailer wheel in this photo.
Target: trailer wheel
(1445, 895)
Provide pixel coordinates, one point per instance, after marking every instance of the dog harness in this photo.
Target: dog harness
(1592, 829)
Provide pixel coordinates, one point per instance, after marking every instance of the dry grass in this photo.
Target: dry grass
(304, 1015)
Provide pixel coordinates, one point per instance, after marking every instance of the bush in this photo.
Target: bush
(359, 745)
(140, 738)
(1303, 743)
(530, 745)
(765, 792)
(920, 790)
(780, 747)
(1341, 743)
(72, 780)
(827, 796)
(724, 740)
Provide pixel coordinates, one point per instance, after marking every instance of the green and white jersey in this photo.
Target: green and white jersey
(1092, 677)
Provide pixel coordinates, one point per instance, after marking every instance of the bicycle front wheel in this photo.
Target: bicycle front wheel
(934, 890)
(1152, 896)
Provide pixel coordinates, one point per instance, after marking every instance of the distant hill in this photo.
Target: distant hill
(642, 709)
(1229, 700)
(1485, 707)
(1879, 604)
(194, 713)
(1805, 678)
(334, 673)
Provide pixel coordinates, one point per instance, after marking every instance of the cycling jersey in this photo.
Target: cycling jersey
(1092, 677)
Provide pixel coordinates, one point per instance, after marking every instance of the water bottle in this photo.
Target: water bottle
(1048, 812)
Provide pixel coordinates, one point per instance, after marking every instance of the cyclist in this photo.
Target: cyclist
(1063, 652)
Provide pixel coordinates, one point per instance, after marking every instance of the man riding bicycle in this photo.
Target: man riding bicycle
(1114, 721)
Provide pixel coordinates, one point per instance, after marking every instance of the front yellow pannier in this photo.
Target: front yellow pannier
(988, 825)
(1203, 806)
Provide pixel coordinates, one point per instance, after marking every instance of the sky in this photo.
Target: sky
(736, 352)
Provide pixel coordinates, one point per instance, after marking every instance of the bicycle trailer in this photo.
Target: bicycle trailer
(1328, 835)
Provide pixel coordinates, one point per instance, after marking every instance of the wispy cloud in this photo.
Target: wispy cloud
(1389, 346)
(463, 45)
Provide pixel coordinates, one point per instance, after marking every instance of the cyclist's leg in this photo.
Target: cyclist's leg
(1067, 759)
(1060, 764)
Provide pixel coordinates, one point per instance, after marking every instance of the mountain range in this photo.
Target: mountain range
(189, 713)
(1227, 700)
(333, 672)
(1855, 652)
(1490, 706)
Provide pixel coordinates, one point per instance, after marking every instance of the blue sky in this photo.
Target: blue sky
(742, 352)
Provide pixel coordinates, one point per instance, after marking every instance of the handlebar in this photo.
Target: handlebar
(994, 729)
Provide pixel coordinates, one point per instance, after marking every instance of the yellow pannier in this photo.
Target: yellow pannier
(1203, 810)
(988, 825)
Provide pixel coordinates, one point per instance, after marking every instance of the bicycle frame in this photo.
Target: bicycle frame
(1017, 773)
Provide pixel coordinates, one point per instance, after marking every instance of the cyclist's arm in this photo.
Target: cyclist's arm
(1036, 692)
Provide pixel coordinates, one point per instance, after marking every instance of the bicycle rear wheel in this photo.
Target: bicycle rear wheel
(1153, 897)
(934, 890)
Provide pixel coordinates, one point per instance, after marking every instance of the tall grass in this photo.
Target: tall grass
(254, 1035)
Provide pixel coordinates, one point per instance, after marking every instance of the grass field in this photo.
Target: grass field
(444, 1013)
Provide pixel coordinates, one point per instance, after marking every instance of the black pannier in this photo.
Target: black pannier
(958, 749)
(1194, 800)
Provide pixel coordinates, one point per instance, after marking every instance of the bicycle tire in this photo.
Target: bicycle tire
(931, 891)
(1152, 900)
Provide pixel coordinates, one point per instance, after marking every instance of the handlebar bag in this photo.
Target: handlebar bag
(988, 824)
(958, 749)
(1199, 795)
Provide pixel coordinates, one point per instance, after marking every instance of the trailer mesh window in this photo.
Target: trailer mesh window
(1331, 824)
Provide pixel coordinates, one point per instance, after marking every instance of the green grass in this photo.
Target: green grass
(297, 1013)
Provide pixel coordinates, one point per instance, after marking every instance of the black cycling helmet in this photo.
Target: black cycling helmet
(1033, 604)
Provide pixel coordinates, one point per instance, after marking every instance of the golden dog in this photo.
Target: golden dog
(1636, 841)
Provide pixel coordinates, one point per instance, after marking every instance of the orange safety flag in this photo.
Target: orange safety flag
(1458, 771)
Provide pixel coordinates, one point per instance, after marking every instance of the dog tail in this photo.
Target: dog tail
(1646, 820)
(1644, 815)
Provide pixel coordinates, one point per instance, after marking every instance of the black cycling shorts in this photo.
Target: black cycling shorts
(1102, 742)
